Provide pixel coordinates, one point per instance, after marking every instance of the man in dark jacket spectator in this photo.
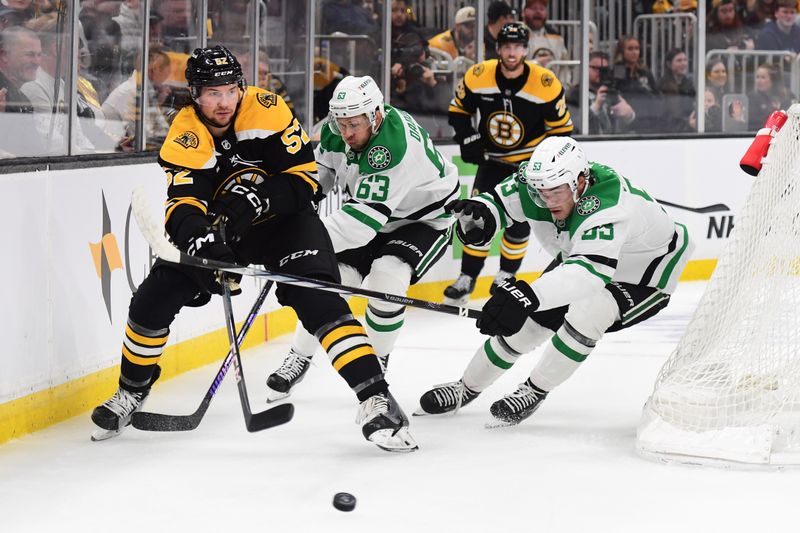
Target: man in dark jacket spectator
(781, 33)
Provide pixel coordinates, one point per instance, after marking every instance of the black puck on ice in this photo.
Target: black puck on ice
(344, 501)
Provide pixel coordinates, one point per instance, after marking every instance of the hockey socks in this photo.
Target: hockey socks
(493, 358)
(561, 358)
(141, 350)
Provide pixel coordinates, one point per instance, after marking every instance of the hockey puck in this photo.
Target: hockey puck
(344, 501)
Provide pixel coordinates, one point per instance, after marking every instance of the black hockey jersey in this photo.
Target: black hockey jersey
(266, 145)
(515, 115)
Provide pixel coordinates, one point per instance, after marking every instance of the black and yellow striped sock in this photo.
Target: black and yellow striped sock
(352, 355)
(141, 350)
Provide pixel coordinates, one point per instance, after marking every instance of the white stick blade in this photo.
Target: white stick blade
(152, 230)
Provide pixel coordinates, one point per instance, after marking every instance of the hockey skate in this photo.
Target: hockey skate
(458, 293)
(291, 372)
(115, 414)
(384, 361)
(515, 407)
(384, 424)
(501, 276)
(445, 398)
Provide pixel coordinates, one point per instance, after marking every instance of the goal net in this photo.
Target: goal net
(731, 389)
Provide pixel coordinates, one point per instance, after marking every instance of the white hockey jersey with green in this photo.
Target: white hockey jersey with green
(616, 233)
(398, 179)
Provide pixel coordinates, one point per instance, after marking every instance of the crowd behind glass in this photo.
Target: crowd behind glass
(72, 82)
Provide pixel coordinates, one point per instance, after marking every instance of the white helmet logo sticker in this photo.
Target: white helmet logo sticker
(379, 157)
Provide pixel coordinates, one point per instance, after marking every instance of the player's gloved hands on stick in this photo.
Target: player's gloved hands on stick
(472, 150)
(475, 222)
(240, 205)
(506, 311)
(211, 245)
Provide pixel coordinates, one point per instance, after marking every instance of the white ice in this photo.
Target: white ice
(571, 467)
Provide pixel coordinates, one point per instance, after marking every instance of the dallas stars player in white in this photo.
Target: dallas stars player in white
(618, 256)
(394, 226)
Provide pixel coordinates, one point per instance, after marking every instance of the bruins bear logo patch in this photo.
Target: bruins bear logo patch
(188, 139)
(267, 99)
(547, 80)
(477, 70)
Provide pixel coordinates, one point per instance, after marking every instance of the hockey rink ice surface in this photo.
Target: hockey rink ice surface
(571, 467)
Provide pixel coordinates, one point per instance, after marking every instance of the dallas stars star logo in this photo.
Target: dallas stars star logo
(379, 157)
(588, 205)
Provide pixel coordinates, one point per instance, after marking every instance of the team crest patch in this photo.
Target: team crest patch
(188, 139)
(547, 80)
(379, 157)
(588, 205)
(267, 99)
(478, 69)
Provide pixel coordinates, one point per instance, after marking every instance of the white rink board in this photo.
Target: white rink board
(55, 318)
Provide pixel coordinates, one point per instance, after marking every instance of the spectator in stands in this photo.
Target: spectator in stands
(346, 16)
(672, 6)
(413, 82)
(542, 56)
(20, 57)
(453, 42)
(637, 85)
(713, 112)
(177, 29)
(608, 110)
(756, 13)
(122, 108)
(327, 76)
(678, 93)
(11, 17)
(498, 15)
(542, 34)
(717, 77)
(103, 54)
(18, 11)
(781, 33)
(403, 20)
(265, 80)
(725, 29)
(770, 94)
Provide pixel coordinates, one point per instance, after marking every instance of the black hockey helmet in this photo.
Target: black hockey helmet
(514, 32)
(208, 67)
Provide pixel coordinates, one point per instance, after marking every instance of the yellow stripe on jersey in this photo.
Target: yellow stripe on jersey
(560, 122)
(541, 84)
(261, 113)
(145, 341)
(175, 202)
(189, 144)
(138, 360)
(561, 129)
(339, 333)
(307, 172)
(351, 356)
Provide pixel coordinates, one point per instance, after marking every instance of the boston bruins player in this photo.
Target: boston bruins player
(618, 256)
(520, 104)
(238, 152)
(394, 226)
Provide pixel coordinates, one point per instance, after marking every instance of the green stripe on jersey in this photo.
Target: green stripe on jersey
(590, 268)
(671, 265)
(362, 217)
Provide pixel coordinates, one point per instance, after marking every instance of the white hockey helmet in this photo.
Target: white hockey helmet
(355, 96)
(556, 161)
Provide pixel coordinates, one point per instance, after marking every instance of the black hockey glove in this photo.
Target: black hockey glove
(472, 150)
(475, 223)
(240, 205)
(504, 314)
(210, 245)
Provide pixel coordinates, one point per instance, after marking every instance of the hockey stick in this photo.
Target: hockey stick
(272, 417)
(154, 234)
(702, 210)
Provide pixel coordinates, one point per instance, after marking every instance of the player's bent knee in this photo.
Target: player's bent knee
(592, 316)
(350, 276)
(389, 274)
(529, 337)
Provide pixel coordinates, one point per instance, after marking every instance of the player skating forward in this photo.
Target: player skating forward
(394, 226)
(239, 152)
(618, 256)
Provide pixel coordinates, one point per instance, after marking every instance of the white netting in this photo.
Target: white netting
(731, 389)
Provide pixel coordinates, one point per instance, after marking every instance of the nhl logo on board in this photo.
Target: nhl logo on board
(379, 157)
(188, 139)
(267, 99)
(588, 205)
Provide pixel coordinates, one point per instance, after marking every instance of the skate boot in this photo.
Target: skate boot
(515, 407)
(291, 372)
(458, 293)
(445, 398)
(116, 412)
(501, 276)
(384, 424)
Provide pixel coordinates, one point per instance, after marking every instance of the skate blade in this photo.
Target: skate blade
(458, 302)
(104, 434)
(400, 442)
(496, 423)
(275, 396)
(421, 412)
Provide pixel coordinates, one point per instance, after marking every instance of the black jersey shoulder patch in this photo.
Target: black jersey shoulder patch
(188, 139)
(267, 99)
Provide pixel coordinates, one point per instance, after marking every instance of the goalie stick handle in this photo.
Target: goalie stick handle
(154, 234)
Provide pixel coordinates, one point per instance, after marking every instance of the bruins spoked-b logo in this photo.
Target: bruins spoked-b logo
(588, 205)
(379, 157)
(505, 130)
(267, 99)
(188, 139)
